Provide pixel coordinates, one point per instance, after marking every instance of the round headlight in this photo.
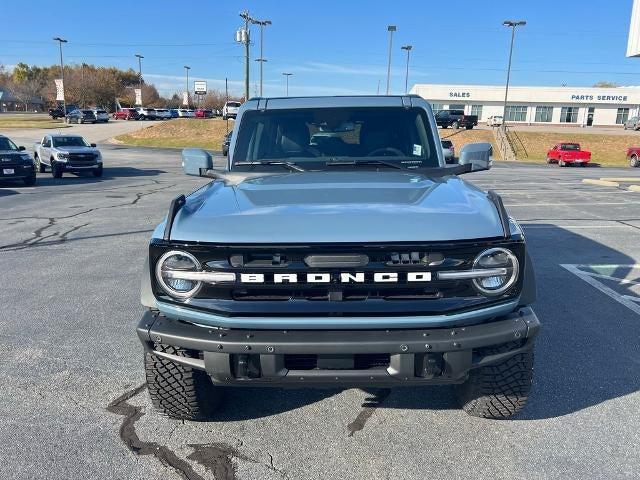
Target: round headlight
(172, 263)
(499, 258)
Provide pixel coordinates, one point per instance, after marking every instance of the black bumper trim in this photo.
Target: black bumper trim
(457, 346)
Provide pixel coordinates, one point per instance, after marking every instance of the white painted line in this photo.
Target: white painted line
(540, 227)
(568, 204)
(631, 305)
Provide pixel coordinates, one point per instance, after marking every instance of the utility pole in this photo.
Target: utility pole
(406, 77)
(243, 36)
(511, 24)
(140, 57)
(287, 75)
(226, 94)
(390, 29)
(187, 68)
(64, 101)
(262, 23)
(378, 89)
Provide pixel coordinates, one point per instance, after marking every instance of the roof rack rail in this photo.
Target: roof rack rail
(174, 208)
(502, 212)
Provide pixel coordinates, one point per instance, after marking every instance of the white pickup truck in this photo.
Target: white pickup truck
(67, 153)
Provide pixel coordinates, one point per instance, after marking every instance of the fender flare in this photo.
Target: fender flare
(146, 293)
(529, 287)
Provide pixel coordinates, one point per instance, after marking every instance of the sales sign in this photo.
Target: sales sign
(200, 87)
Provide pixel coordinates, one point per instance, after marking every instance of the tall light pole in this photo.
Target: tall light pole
(390, 29)
(406, 76)
(287, 75)
(64, 101)
(262, 23)
(140, 57)
(187, 68)
(512, 24)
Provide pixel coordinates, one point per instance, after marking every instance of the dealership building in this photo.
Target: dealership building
(583, 106)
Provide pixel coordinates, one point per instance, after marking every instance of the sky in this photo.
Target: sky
(332, 47)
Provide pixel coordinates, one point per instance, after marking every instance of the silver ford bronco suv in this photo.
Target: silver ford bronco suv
(335, 248)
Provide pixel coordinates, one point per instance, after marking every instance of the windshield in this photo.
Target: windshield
(312, 138)
(69, 142)
(569, 146)
(6, 144)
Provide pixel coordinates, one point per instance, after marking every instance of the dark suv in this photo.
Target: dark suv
(81, 116)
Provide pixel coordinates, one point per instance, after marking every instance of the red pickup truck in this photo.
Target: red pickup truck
(633, 155)
(568, 153)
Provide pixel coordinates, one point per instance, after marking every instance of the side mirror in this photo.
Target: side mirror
(21, 147)
(196, 161)
(478, 155)
(93, 145)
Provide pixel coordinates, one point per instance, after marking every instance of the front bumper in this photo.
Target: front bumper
(19, 172)
(339, 358)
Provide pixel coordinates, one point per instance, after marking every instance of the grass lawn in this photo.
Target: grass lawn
(461, 137)
(607, 150)
(180, 133)
(26, 122)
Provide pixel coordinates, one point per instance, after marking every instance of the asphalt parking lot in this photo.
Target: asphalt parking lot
(74, 404)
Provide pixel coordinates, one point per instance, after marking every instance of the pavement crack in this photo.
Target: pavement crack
(368, 409)
(129, 436)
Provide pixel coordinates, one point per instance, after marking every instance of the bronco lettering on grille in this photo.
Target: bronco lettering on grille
(340, 277)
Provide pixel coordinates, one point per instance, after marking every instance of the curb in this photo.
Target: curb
(634, 188)
(621, 179)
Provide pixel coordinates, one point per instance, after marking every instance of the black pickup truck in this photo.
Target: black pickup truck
(58, 112)
(455, 119)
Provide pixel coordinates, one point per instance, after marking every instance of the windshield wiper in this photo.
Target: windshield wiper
(347, 163)
(291, 166)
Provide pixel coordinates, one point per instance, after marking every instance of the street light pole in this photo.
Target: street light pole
(64, 101)
(187, 68)
(512, 24)
(406, 77)
(390, 29)
(140, 57)
(287, 75)
(262, 23)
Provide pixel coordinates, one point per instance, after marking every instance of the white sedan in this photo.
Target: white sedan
(494, 121)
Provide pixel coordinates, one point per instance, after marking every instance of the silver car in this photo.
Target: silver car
(101, 115)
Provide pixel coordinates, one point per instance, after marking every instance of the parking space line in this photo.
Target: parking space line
(590, 279)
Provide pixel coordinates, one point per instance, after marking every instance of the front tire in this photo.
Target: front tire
(39, 165)
(500, 390)
(97, 172)
(56, 170)
(634, 161)
(455, 125)
(179, 391)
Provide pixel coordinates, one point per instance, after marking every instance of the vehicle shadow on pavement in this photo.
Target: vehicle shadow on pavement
(5, 192)
(246, 403)
(587, 351)
(46, 179)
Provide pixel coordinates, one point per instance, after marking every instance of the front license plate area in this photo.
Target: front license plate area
(8, 171)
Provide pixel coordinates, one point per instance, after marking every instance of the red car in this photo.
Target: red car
(633, 155)
(568, 153)
(126, 114)
(204, 113)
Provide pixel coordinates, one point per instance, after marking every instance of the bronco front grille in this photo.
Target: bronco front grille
(335, 296)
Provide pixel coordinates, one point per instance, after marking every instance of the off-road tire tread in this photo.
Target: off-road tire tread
(179, 391)
(500, 390)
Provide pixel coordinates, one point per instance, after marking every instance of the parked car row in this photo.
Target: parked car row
(58, 153)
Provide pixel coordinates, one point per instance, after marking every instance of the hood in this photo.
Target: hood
(336, 207)
(76, 149)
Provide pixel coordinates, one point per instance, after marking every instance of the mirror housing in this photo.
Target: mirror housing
(479, 155)
(21, 148)
(196, 161)
(93, 145)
